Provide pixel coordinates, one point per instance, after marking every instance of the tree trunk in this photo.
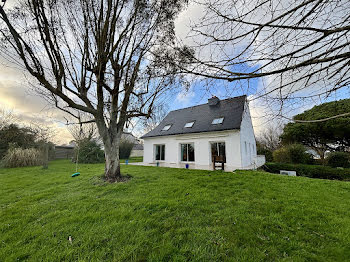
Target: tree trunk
(111, 140)
(112, 165)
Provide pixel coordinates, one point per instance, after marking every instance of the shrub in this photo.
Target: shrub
(294, 153)
(18, 157)
(338, 159)
(267, 153)
(281, 155)
(313, 171)
(14, 135)
(125, 148)
(89, 152)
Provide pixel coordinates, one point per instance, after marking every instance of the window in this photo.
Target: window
(218, 150)
(166, 128)
(187, 152)
(217, 121)
(160, 152)
(189, 124)
(245, 148)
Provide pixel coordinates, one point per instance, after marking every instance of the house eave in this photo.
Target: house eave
(193, 133)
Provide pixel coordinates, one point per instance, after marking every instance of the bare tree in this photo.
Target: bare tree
(98, 57)
(269, 138)
(43, 133)
(7, 117)
(299, 50)
(86, 128)
(158, 115)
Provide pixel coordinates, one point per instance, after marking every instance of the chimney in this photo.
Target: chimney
(213, 101)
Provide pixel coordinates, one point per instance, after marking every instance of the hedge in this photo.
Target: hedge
(313, 171)
(338, 159)
(125, 148)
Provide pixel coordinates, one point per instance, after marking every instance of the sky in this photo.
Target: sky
(17, 95)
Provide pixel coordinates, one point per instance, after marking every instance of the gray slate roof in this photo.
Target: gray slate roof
(231, 109)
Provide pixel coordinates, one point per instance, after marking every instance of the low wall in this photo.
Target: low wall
(136, 153)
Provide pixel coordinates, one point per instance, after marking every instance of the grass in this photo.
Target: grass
(165, 214)
(133, 159)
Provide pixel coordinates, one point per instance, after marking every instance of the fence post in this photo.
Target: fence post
(45, 152)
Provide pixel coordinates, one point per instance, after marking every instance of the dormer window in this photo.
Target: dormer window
(189, 124)
(166, 128)
(217, 121)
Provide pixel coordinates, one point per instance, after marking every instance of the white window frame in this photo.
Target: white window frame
(217, 121)
(187, 161)
(189, 124)
(160, 152)
(166, 128)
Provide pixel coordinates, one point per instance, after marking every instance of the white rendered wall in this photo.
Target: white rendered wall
(202, 149)
(247, 140)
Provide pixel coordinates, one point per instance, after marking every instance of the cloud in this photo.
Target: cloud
(185, 97)
(190, 15)
(28, 106)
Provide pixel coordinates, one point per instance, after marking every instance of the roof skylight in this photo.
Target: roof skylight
(217, 121)
(166, 128)
(189, 124)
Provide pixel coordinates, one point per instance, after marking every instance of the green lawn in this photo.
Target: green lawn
(133, 159)
(165, 214)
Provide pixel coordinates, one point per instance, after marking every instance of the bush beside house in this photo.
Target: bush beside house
(293, 154)
(338, 159)
(266, 152)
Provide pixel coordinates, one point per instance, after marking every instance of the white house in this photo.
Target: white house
(195, 135)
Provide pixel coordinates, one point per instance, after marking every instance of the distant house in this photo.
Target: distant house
(137, 150)
(196, 136)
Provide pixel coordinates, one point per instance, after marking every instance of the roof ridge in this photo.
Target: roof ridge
(230, 98)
